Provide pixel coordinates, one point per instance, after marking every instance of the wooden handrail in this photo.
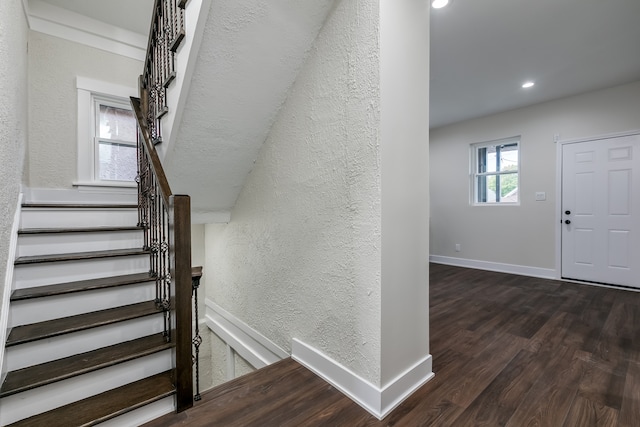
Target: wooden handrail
(155, 163)
(166, 218)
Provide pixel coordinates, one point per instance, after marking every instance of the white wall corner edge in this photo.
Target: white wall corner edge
(379, 402)
(522, 270)
(8, 284)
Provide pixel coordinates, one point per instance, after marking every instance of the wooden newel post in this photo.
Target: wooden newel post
(180, 218)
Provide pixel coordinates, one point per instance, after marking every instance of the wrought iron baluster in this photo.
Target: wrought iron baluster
(197, 339)
(163, 215)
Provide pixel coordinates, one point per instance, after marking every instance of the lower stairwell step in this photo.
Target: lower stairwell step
(35, 259)
(51, 328)
(79, 286)
(104, 406)
(58, 370)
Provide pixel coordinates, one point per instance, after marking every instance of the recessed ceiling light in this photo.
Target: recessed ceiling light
(527, 85)
(437, 4)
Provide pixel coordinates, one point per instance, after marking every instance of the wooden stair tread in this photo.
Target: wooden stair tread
(75, 256)
(104, 406)
(79, 286)
(51, 328)
(81, 205)
(57, 370)
(30, 231)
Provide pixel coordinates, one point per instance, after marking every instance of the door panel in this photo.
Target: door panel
(601, 193)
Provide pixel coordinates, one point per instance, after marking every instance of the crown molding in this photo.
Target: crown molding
(58, 22)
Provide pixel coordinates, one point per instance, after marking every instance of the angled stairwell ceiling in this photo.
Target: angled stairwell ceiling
(250, 55)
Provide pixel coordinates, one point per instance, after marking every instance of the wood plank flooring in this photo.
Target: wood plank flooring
(507, 351)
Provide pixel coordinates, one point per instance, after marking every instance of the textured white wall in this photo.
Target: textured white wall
(54, 64)
(521, 235)
(301, 255)
(13, 119)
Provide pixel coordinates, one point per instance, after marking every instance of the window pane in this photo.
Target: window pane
(497, 188)
(117, 123)
(498, 158)
(508, 188)
(490, 161)
(508, 157)
(117, 162)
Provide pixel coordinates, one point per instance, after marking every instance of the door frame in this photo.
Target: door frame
(558, 207)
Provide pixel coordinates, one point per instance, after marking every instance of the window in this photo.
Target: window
(106, 136)
(495, 172)
(115, 141)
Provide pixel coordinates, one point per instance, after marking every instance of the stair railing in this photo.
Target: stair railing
(166, 220)
(164, 216)
(166, 34)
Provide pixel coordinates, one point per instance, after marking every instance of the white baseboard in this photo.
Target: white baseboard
(377, 401)
(522, 270)
(8, 285)
(252, 346)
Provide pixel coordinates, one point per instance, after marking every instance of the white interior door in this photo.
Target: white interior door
(601, 211)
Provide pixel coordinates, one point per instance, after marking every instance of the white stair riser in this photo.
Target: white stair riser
(60, 243)
(46, 350)
(54, 307)
(143, 415)
(47, 273)
(65, 218)
(45, 398)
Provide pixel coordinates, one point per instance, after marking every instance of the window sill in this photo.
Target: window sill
(496, 204)
(107, 187)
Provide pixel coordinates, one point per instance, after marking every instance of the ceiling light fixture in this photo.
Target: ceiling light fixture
(527, 85)
(437, 4)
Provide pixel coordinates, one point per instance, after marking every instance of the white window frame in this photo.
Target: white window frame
(475, 174)
(89, 92)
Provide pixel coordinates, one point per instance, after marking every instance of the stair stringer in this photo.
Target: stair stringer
(7, 288)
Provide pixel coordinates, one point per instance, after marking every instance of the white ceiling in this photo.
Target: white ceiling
(482, 50)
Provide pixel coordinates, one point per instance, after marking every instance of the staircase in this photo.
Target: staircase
(86, 340)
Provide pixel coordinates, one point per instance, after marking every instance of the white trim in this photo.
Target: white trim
(124, 186)
(558, 216)
(558, 219)
(597, 137)
(377, 401)
(252, 346)
(231, 363)
(522, 270)
(8, 285)
(58, 22)
(105, 88)
(83, 194)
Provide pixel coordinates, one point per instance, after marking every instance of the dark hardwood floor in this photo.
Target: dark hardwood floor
(507, 351)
